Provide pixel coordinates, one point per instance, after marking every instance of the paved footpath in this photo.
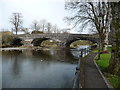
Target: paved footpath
(93, 78)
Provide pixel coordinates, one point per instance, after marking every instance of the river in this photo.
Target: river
(39, 68)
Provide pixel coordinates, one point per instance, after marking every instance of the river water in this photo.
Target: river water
(39, 68)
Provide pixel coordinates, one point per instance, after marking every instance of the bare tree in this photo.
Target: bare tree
(94, 14)
(25, 30)
(65, 30)
(35, 25)
(55, 29)
(114, 66)
(43, 24)
(16, 21)
(49, 26)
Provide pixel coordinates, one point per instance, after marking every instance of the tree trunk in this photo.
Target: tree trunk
(99, 50)
(106, 42)
(16, 30)
(114, 66)
(101, 43)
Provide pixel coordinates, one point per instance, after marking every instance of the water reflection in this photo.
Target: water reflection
(38, 68)
(56, 55)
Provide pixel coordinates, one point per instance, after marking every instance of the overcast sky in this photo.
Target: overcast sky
(51, 10)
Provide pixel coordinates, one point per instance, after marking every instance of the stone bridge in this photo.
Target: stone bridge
(64, 40)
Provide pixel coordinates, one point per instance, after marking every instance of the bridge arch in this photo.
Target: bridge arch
(39, 41)
(69, 42)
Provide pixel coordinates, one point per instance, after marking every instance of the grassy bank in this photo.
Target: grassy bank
(103, 63)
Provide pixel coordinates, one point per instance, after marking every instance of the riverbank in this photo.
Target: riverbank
(12, 49)
(33, 48)
(103, 64)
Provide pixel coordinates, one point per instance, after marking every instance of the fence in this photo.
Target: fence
(77, 84)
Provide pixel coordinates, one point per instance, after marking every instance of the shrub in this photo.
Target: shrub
(104, 52)
(7, 38)
(36, 32)
(16, 42)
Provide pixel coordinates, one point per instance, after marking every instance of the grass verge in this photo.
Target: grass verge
(114, 80)
(103, 63)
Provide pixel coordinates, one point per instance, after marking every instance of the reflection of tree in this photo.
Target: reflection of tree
(48, 55)
(16, 63)
(61, 55)
(16, 66)
(11, 53)
(41, 58)
(65, 55)
(14, 55)
(44, 55)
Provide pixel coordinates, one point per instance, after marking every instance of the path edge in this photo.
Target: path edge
(99, 70)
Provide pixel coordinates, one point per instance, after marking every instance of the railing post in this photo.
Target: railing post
(81, 55)
(88, 50)
(85, 51)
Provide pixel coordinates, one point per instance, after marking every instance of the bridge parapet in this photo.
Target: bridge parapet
(63, 38)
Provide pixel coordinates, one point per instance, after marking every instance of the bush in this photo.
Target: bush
(7, 38)
(16, 42)
(36, 32)
(104, 52)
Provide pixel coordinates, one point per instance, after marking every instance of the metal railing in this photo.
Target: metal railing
(77, 84)
(77, 78)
